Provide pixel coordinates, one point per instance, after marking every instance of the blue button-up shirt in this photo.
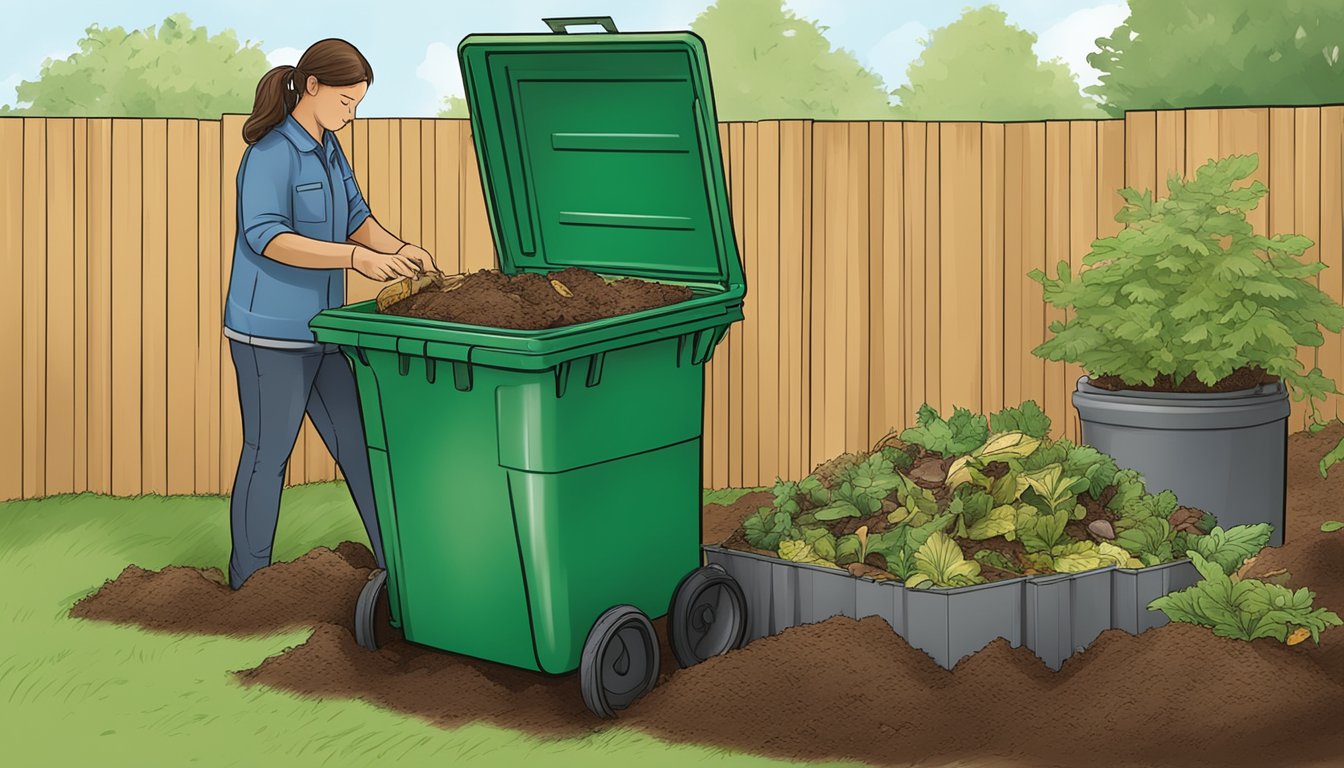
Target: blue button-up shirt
(287, 182)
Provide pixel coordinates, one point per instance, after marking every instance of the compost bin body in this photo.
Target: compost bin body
(528, 481)
(1223, 452)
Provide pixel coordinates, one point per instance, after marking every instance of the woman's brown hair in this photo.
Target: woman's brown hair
(332, 61)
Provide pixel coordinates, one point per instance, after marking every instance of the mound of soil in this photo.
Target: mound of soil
(535, 302)
(1246, 377)
(840, 689)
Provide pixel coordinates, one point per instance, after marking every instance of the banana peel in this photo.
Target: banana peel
(408, 287)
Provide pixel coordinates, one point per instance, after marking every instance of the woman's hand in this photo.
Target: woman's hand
(382, 266)
(420, 256)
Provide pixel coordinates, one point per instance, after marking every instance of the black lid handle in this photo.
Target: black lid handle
(561, 25)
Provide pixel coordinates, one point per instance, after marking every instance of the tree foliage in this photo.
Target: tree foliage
(980, 67)
(173, 70)
(1222, 53)
(768, 63)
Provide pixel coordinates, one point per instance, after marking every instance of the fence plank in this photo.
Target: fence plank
(993, 277)
(447, 162)
(1033, 257)
(1110, 175)
(933, 277)
(1331, 203)
(80, 407)
(1141, 150)
(915, 302)
(183, 311)
(826, 366)
(60, 283)
(1307, 220)
(1057, 187)
(357, 286)
(1203, 128)
(429, 230)
(13, 448)
(1082, 205)
(34, 307)
(1170, 157)
(750, 335)
(478, 245)
(408, 177)
(735, 340)
(1246, 132)
(879, 390)
(154, 307)
(127, 286)
(100, 306)
(793, 161)
(896, 349)
(210, 321)
(960, 305)
(767, 286)
(857, 326)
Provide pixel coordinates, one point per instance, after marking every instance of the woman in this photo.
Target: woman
(301, 223)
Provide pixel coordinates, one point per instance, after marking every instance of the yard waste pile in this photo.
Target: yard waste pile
(842, 689)
(527, 301)
(968, 500)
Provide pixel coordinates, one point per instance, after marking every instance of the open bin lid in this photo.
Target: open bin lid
(601, 151)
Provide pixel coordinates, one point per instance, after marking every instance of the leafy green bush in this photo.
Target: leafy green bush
(1188, 288)
(1245, 609)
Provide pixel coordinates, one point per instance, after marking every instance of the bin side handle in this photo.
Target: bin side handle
(561, 25)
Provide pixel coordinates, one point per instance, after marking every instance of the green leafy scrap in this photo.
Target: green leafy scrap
(1230, 548)
(956, 436)
(1149, 539)
(997, 560)
(766, 527)
(899, 544)
(1027, 418)
(939, 562)
(1041, 530)
(1096, 467)
(1244, 609)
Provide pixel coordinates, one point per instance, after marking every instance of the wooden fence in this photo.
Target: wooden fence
(886, 266)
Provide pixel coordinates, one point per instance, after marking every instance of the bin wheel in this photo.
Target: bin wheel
(708, 616)
(620, 661)
(373, 618)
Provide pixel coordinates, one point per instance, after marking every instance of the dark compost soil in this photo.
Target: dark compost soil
(1242, 378)
(841, 689)
(531, 302)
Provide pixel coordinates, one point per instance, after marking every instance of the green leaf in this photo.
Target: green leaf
(765, 527)
(1027, 418)
(1079, 556)
(1330, 526)
(999, 521)
(959, 435)
(799, 551)
(837, 510)
(1332, 458)
(1038, 530)
(995, 559)
(939, 562)
(1149, 539)
(1230, 548)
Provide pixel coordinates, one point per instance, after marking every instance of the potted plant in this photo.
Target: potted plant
(1188, 324)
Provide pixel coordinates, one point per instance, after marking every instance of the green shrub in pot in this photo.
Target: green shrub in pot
(1187, 298)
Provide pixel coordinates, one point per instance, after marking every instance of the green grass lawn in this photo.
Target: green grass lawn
(75, 692)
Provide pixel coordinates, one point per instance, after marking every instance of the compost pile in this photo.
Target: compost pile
(531, 301)
(841, 689)
(969, 500)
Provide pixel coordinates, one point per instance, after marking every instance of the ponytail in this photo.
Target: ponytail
(333, 62)
(276, 96)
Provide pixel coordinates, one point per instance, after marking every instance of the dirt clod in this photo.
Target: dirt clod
(532, 301)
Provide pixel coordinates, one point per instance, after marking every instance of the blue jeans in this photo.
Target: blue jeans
(275, 388)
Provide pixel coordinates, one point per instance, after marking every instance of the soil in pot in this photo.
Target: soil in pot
(533, 301)
(1246, 377)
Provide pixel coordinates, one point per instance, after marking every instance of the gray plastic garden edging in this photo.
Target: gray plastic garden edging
(1055, 616)
(1225, 452)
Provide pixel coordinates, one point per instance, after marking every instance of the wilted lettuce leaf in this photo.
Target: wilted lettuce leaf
(1028, 418)
(939, 562)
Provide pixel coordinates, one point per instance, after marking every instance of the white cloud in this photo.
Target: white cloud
(281, 56)
(7, 86)
(892, 55)
(1075, 36)
(440, 69)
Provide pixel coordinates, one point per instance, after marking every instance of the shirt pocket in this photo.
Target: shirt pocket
(310, 202)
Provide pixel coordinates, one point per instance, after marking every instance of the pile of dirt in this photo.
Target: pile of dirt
(1245, 377)
(534, 302)
(840, 689)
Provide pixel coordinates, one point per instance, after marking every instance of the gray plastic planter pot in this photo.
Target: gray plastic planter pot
(1055, 616)
(1225, 453)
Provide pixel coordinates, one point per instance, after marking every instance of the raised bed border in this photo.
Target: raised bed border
(1055, 615)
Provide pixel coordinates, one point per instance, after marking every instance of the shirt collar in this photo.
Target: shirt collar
(301, 139)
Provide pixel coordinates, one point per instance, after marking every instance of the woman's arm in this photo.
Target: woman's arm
(299, 251)
(372, 235)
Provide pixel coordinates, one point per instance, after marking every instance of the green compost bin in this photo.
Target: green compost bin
(527, 481)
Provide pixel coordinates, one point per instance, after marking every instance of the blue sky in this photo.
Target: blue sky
(412, 43)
